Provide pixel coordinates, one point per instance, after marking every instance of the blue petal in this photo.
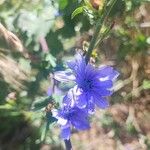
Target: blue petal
(103, 84)
(64, 76)
(102, 92)
(81, 102)
(101, 103)
(81, 70)
(78, 65)
(49, 91)
(72, 65)
(68, 100)
(90, 71)
(108, 71)
(81, 64)
(80, 123)
(91, 107)
(114, 75)
(65, 133)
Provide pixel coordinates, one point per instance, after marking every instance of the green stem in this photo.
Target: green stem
(98, 29)
(103, 35)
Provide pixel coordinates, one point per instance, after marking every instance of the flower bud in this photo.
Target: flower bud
(96, 3)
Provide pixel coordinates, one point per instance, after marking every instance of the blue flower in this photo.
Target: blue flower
(68, 117)
(92, 84)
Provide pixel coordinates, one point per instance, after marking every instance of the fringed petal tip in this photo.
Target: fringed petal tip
(102, 103)
(109, 72)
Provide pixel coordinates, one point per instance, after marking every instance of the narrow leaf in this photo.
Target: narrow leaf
(77, 11)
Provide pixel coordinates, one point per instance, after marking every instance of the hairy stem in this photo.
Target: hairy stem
(98, 29)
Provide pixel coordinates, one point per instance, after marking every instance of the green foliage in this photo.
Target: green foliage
(63, 4)
(51, 60)
(118, 9)
(146, 84)
(40, 103)
(77, 11)
(131, 129)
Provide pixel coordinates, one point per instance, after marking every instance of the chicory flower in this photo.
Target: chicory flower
(68, 117)
(92, 85)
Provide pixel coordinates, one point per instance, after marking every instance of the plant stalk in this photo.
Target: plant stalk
(68, 144)
(98, 29)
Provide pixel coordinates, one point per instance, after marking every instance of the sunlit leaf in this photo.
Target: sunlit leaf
(146, 84)
(63, 4)
(51, 59)
(77, 11)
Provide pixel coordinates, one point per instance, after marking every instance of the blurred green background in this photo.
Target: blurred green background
(36, 39)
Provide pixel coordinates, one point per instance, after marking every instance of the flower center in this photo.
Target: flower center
(87, 84)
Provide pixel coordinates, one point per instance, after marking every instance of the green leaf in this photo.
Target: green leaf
(51, 59)
(40, 103)
(77, 11)
(146, 84)
(25, 65)
(63, 4)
